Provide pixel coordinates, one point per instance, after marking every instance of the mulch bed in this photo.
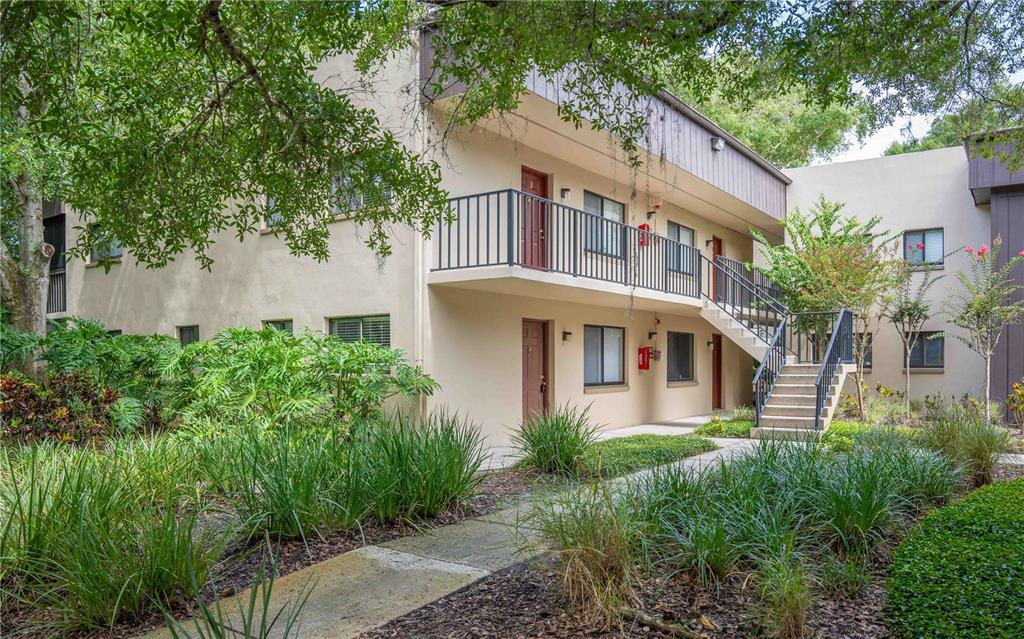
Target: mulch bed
(525, 601)
(238, 570)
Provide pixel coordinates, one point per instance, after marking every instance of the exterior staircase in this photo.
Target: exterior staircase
(805, 357)
(789, 412)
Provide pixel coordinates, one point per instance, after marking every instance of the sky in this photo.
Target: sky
(877, 142)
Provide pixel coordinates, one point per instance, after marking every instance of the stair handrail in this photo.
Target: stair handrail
(730, 264)
(770, 306)
(831, 358)
(773, 361)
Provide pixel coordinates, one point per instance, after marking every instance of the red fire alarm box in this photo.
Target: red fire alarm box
(643, 357)
(645, 237)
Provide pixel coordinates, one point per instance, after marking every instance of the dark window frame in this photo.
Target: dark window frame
(181, 334)
(362, 327)
(622, 357)
(669, 358)
(95, 255)
(279, 324)
(676, 263)
(598, 235)
(924, 236)
(919, 345)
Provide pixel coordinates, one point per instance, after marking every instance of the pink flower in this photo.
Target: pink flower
(920, 245)
(983, 249)
(969, 248)
(1021, 253)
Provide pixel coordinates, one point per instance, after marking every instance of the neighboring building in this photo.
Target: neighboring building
(944, 199)
(561, 267)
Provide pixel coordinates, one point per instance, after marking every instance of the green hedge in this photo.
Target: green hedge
(961, 571)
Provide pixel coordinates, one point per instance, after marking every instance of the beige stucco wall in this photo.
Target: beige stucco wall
(911, 191)
(475, 352)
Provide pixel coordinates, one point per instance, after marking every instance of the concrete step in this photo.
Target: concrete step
(786, 421)
(786, 377)
(782, 388)
(801, 369)
(799, 434)
(791, 400)
(787, 410)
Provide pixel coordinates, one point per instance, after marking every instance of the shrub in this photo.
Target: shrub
(91, 537)
(719, 427)
(73, 410)
(421, 468)
(856, 502)
(275, 379)
(556, 442)
(597, 538)
(845, 576)
(959, 573)
(620, 455)
(960, 433)
(18, 346)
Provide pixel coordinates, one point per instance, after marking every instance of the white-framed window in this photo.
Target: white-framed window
(188, 334)
(924, 246)
(284, 325)
(272, 218)
(604, 230)
(680, 357)
(680, 259)
(370, 328)
(604, 354)
(110, 250)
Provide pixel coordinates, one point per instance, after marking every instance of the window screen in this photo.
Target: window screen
(924, 247)
(110, 249)
(680, 357)
(603, 355)
(371, 328)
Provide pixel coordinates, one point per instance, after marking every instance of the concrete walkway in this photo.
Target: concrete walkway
(365, 588)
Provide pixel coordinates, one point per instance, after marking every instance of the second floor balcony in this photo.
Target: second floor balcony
(515, 242)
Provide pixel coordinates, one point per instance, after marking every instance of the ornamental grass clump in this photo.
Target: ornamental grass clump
(961, 433)
(557, 442)
(92, 537)
(420, 467)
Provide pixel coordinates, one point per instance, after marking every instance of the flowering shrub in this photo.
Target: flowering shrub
(1015, 401)
(73, 410)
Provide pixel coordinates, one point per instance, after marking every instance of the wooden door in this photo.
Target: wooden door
(533, 225)
(535, 367)
(716, 250)
(716, 371)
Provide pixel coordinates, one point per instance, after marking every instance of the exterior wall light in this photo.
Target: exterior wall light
(717, 143)
(566, 336)
(566, 193)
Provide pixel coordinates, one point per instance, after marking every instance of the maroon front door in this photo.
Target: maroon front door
(533, 249)
(535, 367)
(716, 371)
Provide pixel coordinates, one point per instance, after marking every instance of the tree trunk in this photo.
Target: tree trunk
(906, 378)
(25, 280)
(988, 381)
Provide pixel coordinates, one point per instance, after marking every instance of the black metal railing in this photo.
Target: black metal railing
(839, 350)
(768, 371)
(57, 295)
(741, 300)
(513, 228)
(759, 280)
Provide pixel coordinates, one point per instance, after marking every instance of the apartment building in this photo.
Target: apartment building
(944, 199)
(565, 275)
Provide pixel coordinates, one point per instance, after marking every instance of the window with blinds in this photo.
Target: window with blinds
(380, 192)
(603, 228)
(680, 357)
(279, 325)
(107, 250)
(924, 247)
(370, 328)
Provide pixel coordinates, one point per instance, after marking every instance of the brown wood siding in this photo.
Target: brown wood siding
(1008, 222)
(672, 135)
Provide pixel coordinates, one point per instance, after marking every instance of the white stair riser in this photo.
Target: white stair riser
(787, 422)
(798, 434)
(778, 410)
